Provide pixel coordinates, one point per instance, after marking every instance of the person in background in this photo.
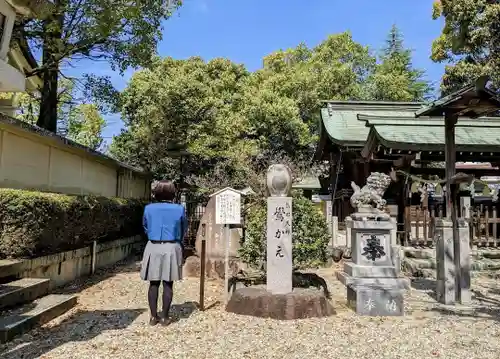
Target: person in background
(165, 225)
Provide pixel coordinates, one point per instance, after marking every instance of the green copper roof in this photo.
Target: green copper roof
(308, 183)
(427, 121)
(473, 100)
(341, 124)
(424, 136)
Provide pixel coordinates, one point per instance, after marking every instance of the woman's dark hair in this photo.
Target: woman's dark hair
(164, 191)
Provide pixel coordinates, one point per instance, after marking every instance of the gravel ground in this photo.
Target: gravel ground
(110, 321)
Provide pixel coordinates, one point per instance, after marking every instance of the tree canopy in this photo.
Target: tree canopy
(124, 33)
(233, 123)
(469, 41)
(394, 77)
(78, 120)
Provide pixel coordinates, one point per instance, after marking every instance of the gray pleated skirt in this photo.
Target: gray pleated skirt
(162, 261)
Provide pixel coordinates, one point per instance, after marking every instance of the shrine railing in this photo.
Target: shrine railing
(484, 224)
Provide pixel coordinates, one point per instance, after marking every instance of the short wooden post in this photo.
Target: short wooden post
(93, 257)
(202, 274)
(202, 267)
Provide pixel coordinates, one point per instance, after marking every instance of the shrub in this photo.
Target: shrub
(37, 223)
(310, 235)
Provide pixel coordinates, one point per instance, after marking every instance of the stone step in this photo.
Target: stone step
(428, 253)
(41, 311)
(22, 291)
(413, 265)
(9, 268)
(419, 253)
(490, 254)
(485, 264)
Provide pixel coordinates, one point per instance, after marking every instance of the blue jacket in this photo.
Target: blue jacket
(165, 221)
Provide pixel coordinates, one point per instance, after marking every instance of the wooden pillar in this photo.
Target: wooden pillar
(462, 273)
(401, 203)
(334, 167)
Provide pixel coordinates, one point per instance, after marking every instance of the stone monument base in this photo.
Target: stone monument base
(299, 304)
(375, 296)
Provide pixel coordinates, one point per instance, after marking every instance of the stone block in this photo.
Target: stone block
(214, 267)
(400, 283)
(397, 257)
(22, 291)
(355, 270)
(33, 314)
(376, 301)
(371, 225)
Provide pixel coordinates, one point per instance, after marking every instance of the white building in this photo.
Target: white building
(15, 56)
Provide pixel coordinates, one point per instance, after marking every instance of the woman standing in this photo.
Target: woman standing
(165, 225)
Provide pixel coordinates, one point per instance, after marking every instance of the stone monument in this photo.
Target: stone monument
(212, 232)
(279, 230)
(373, 281)
(278, 299)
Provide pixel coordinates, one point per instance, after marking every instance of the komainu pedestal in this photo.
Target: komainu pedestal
(373, 281)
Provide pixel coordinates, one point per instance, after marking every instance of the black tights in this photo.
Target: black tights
(154, 288)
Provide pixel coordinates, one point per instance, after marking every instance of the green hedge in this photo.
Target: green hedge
(309, 234)
(37, 223)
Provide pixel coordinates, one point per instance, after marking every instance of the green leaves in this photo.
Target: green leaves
(469, 41)
(124, 33)
(37, 223)
(310, 234)
(78, 121)
(235, 122)
(85, 126)
(394, 78)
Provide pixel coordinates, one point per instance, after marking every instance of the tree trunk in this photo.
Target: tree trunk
(47, 118)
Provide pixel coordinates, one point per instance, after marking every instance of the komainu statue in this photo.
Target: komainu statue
(370, 196)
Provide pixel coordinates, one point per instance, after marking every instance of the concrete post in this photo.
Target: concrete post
(348, 231)
(465, 261)
(445, 264)
(335, 231)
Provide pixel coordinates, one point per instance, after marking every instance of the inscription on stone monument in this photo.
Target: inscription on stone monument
(373, 250)
(391, 306)
(370, 304)
(279, 245)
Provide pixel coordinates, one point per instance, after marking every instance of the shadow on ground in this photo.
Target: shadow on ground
(484, 305)
(426, 285)
(84, 325)
(183, 311)
(128, 265)
(81, 326)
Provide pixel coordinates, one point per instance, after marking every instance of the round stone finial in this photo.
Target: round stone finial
(279, 180)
